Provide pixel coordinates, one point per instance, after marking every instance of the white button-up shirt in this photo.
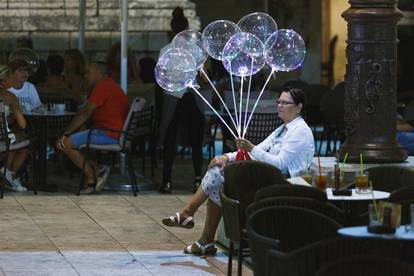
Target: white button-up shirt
(292, 150)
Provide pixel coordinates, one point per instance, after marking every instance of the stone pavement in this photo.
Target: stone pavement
(111, 233)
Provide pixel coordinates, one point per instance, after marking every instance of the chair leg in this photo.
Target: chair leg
(82, 176)
(239, 262)
(4, 177)
(35, 176)
(2, 188)
(151, 146)
(230, 262)
(131, 173)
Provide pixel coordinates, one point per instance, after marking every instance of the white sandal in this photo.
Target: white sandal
(199, 249)
(175, 221)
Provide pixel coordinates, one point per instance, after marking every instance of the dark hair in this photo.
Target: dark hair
(298, 96)
(55, 64)
(77, 57)
(18, 64)
(102, 66)
(113, 61)
(179, 22)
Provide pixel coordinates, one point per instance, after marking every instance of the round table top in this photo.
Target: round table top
(48, 113)
(357, 196)
(402, 233)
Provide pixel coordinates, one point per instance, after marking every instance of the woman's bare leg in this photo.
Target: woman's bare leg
(18, 159)
(10, 159)
(195, 202)
(211, 223)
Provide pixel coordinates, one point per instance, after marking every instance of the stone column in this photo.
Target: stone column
(370, 82)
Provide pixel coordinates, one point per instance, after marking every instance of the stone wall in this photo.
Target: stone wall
(53, 24)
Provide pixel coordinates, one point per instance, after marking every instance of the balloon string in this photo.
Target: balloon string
(248, 95)
(257, 101)
(218, 94)
(240, 104)
(212, 108)
(234, 98)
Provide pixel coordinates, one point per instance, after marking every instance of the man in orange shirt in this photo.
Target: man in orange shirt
(108, 107)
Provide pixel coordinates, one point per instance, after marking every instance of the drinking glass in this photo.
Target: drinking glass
(374, 220)
(307, 176)
(321, 181)
(361, 182)
(341, 175)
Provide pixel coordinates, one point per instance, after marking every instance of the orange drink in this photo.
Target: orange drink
(361, 182)
(321, 181)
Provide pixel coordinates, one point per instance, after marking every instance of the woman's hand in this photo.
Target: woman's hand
(218, 161)
(243, 144)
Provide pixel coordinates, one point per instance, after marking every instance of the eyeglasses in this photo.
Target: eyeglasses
(283, 103)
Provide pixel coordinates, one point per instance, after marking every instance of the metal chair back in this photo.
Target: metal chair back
(139, 122)
(261, 126)
(4, 138)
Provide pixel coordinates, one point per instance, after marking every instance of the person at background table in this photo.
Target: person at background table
(55, 82)
(17, 122)
(113, 59)
(74, 72)
(107, 107)
(287, 148)
(25, 91)
(41, 73)
(405, 134)
(180, 108)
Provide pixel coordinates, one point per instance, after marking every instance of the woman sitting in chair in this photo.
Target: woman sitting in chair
(16, 121)
(287, 148)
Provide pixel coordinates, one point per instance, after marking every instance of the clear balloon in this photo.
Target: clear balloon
(28, 55)
(176, 69)
(285, 50)
(216, 35)
(243, 55)
(260, 24)
(191, 41)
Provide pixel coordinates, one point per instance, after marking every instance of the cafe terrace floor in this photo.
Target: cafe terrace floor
(111, 233)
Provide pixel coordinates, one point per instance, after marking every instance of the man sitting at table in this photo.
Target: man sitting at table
(108, 107)
(25, 91)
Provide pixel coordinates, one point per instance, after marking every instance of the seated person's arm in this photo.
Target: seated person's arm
(81, 117)
(403, 126)
(18, 116)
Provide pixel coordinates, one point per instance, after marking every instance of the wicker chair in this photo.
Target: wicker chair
(362, 265)
(290, 190)
(285, 228)
(405, 197)
(323, 207)
(241, 181)
(389, 178)
(309, 259)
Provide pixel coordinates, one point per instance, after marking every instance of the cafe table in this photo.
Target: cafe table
(42, 124)
(402, 233)
(353, 197)
(345, 201)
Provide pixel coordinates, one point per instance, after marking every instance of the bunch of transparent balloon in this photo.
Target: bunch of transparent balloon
(244, 49)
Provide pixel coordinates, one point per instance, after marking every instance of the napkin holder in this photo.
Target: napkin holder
(342, 192)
